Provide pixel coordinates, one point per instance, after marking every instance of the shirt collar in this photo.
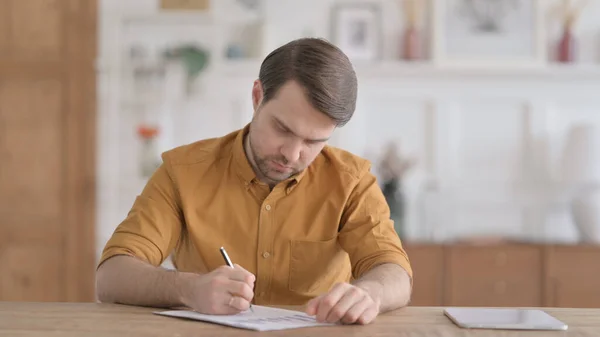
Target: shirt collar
(243, 167)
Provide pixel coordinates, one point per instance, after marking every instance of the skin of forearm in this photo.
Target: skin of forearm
(387, 283)
(127, 280)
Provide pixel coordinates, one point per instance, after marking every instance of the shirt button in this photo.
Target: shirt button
(266, 255)
(268, 207)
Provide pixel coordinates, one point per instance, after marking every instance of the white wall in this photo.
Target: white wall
(488, 142)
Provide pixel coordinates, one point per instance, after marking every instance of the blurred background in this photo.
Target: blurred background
(480, 118)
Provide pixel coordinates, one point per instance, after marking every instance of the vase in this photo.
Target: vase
(411, 48)
(566, 46)
(149, 157)
(586, 213)
(395, 200)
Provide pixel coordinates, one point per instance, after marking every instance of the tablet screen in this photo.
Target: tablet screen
(504, 318)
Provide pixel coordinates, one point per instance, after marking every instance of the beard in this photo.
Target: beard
(264, 165)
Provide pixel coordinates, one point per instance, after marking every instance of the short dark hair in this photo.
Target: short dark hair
(321, 68)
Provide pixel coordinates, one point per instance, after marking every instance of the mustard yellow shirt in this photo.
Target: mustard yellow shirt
(328, 224)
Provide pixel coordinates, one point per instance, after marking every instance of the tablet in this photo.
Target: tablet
(503, 318)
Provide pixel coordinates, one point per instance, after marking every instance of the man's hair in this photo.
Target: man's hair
(321, 68)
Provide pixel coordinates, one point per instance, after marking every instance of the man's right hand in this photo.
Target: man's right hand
(224, 291)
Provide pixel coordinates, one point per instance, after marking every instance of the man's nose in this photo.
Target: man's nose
(291, 150)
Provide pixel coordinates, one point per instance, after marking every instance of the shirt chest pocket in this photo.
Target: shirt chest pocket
(315, 266)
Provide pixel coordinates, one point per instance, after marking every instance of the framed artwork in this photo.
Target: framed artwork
(356, 29)
(488, 33)
(185, 4)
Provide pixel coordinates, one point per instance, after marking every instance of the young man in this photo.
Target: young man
(304, 223)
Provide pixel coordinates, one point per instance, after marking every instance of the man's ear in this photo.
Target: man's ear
(257, 94)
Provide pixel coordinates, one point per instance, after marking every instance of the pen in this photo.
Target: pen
(230, 264)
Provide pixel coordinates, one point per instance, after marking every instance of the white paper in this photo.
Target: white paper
(262, 319)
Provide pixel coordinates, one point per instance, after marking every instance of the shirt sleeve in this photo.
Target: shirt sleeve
(367, 232)
(153, 225)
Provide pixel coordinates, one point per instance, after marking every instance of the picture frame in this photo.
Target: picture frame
(187, 5)
(356, 29)
(467, 33)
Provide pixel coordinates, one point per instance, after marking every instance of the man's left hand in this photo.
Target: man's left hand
(345, 303)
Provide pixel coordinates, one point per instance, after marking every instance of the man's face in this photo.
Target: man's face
(286, 134)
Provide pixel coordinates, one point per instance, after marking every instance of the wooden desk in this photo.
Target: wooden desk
(91, 319)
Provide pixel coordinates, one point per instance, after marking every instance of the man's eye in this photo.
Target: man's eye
(281, 128)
